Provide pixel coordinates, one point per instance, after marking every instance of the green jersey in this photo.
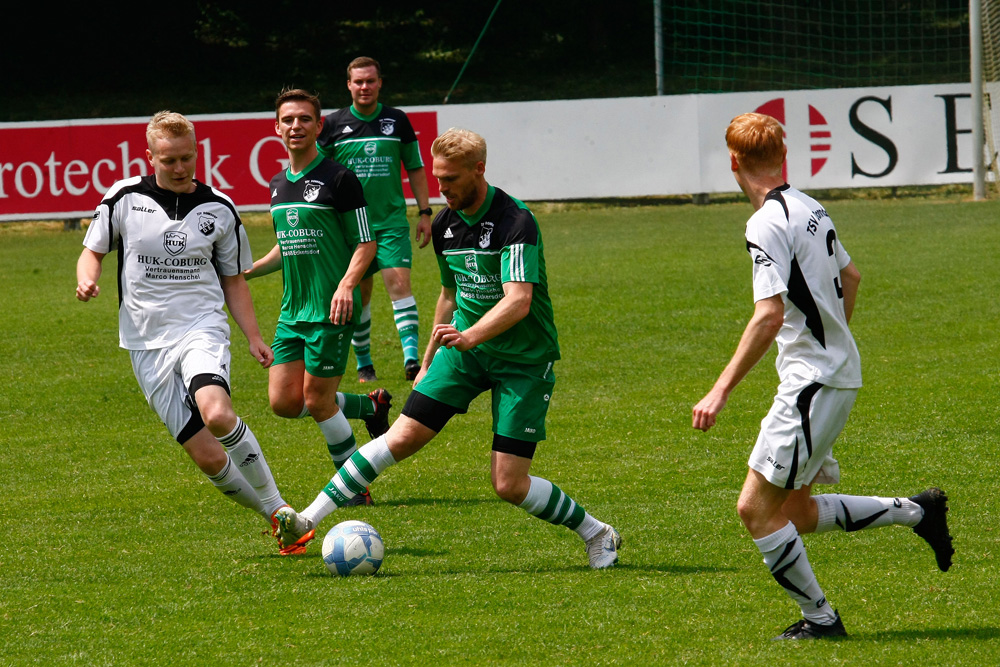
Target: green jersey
(476, 254)
(319, 217)
(376, 148)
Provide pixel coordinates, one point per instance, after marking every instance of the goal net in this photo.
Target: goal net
(740, 45)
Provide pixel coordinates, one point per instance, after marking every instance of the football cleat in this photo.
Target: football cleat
(411, 368)
(806, 629)
(378, 423)
(602, 549)
(367, 374)
(934, 526)
(293, 531)
(361, 499)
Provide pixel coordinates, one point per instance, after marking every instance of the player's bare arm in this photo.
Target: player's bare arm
(240, 304)
(757, 338)
(508, 311)
(269, 263)
(418, 183)
(342, 304)
(850, 279)
(88, 272)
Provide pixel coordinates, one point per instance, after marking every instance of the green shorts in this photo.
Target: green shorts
(394, 250)
(520, 392)
(323, 346)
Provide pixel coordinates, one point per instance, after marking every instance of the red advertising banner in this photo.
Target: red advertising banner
(62, 169)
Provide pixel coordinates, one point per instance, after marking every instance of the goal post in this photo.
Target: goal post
(987, 81)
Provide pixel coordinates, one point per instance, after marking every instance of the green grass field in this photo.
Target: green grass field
(119, 552)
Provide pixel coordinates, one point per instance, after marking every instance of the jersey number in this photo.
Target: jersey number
(831, 238)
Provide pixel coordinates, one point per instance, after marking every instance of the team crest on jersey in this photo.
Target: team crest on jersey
(206, 223)
(485, 234)
(387, 125)
(292, 217)
(311, 190)
(174, 242)
(470, 263)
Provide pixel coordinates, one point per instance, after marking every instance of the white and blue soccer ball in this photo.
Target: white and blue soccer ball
(353, 547)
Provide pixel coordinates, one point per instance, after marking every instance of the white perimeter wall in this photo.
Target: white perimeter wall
(671, 145)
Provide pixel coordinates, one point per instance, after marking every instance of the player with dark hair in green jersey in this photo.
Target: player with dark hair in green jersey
(377, 142)
(324, 247)
(493, 331)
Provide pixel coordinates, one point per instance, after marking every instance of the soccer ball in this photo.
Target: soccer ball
(353, 547)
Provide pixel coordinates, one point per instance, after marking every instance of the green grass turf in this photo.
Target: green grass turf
(117, 551)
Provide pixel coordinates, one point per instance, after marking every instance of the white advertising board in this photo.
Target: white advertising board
(570, 149)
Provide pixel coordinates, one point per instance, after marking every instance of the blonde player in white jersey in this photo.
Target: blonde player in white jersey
(804, 286)
(181, 254)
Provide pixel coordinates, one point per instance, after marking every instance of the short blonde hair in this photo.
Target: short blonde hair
(757, 141)
(167, 124)
(459, 144)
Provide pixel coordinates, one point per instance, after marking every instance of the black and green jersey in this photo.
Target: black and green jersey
(376, 148)
(319, 218)
(477, 254)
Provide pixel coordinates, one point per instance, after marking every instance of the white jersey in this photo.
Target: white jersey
(172, 248)
(796, 253)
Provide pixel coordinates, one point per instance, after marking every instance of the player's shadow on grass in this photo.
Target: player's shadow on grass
(932, 633)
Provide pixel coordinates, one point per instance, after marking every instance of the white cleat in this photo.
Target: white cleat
(602, 549)
(294, 532)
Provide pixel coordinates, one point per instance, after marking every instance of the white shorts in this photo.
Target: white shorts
(795, 443)
(165, 374)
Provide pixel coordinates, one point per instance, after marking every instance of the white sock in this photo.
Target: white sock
(851, 513)
(246, 454)
(785, 555)
(339, 438)
(231, 482)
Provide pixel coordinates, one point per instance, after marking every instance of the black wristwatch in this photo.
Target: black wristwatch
(426, 211)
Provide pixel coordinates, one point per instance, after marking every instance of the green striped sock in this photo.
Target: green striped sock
(359, 471)
(547, 501)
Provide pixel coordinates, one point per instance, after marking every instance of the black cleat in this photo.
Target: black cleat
(378, 423)
(361, 499)
(806, 629)
(411, 368)
(367, 374)
(934, 526)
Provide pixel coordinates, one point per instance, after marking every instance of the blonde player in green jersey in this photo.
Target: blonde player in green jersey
(493, 331)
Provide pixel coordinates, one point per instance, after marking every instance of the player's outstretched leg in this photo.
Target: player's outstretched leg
(934, 526)
(294, 532)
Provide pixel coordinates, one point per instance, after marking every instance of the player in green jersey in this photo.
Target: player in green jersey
(377, 142)
(324, 247)
(493, 330)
